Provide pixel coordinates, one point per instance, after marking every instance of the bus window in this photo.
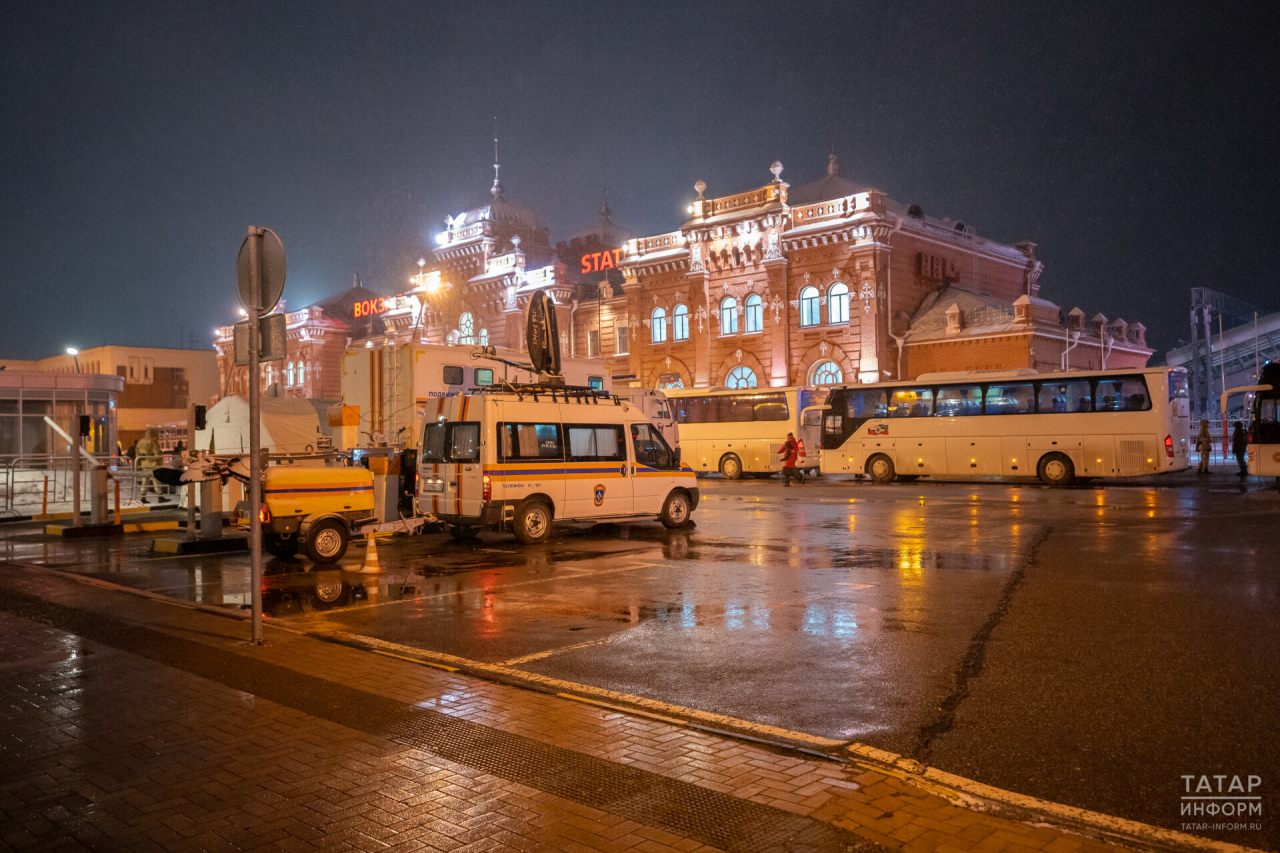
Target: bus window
(1016, 399)
(867, 403)
(959, 400)
(1060, 397)
(911, 403)
(1122, 394)
(771, 407)
(696, 410)
(527, 442)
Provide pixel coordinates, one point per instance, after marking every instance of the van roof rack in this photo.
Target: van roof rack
(579, 393)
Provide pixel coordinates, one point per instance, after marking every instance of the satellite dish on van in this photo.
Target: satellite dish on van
(542, 333)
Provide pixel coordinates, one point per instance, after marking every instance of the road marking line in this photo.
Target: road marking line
(414, 660)
(549, 652)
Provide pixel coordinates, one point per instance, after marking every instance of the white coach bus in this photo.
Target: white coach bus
(740, 431)
(1060, 427)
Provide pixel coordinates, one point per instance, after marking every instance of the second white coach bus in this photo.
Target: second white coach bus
(740, 431)
(1060, 427)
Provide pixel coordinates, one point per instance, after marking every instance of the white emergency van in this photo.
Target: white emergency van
(654, 403)
(520, 460)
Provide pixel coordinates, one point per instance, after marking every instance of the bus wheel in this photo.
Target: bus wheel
(675, 512)
(327, 541)
(1056, 470)
(281, 545)
(880, 467)
(533, 522)
(731, 467)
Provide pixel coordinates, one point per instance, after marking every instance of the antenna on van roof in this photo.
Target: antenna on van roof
(543, 337)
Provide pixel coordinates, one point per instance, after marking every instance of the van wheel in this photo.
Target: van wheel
(533, 522)
(327, 541)
(675, 511)
(880, 467)
(731, 467)
(281, 545)
(1055, 469)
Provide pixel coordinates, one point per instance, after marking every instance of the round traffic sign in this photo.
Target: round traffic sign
(271, 262)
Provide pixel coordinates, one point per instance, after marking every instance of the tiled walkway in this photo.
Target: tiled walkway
(131, 724)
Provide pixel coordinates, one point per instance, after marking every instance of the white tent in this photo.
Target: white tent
(289, 425)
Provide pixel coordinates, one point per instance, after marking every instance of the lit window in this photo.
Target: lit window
(302, 373)
(658, 325)
(672, 383)
(593, 343)
(729, 316)
(755, 313)
(680, 323)
(838, 303)
(484, 337)
(826, 373)
(466, 327)
(624, 340)
(809, 313)
(288, 374)
(741, 377)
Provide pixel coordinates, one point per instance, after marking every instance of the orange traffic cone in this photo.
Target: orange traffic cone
(371, 559)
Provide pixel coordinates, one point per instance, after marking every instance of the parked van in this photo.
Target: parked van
(654, 403)
(520, 461)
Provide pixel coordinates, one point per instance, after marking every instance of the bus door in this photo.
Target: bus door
(464, 478)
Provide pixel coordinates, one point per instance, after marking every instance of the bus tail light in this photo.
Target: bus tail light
(487, 493)
(264, 515)
(1168, 446)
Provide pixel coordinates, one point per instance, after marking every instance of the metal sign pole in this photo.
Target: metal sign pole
(75, 473)
(255, 429)
(191, 487)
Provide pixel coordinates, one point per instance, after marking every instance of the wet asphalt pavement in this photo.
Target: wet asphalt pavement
(1088, 646)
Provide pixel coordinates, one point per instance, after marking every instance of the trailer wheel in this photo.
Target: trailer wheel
(283, 546)
(533, 522)
(327, 541)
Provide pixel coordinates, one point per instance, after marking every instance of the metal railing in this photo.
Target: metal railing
(31, 481)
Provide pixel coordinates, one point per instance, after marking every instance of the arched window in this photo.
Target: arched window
(809, 314)
(484, 337)
(680, 324)
(755, 313)
(466, 327)
(826, 373)
(658, 325)
(741, 377)
(288, 374)
(672, 383)
(729, 316)
(838, 303)
(302, 373)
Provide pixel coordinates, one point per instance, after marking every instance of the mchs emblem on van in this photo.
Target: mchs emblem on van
(599, 494)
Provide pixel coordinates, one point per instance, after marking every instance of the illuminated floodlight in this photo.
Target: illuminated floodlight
(73, 352)
(442, 237)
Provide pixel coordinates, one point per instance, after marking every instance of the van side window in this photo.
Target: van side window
(452, 374)
(651, 450)
(484, 376)
(596, 443)
(530, 443)
(463, 442)
(596, 382)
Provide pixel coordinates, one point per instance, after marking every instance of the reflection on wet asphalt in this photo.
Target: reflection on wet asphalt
(1088, 646)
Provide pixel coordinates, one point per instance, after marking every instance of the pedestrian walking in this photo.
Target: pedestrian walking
(147, 461)
(1204, 446)
(790, 456)
(1239, 446)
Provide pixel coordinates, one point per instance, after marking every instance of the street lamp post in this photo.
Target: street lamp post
(74, 353)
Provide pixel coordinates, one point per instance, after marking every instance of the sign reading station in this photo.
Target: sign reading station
(606, 260)
(369, 307)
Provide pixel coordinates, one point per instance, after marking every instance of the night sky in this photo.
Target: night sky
(1136, 144)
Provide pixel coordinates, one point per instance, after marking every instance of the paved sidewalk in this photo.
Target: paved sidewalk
(131, 723)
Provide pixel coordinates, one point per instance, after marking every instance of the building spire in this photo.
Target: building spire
(605, 212)
(496, 189)
(832, 168)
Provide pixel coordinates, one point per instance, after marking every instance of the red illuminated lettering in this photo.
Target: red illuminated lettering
(606, 260)
(617, 256)
(586, 263)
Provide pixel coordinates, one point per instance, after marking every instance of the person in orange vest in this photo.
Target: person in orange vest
(791, 452)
